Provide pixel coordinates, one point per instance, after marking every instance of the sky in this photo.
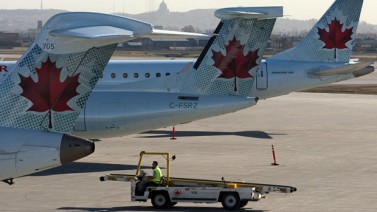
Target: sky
(295, 9)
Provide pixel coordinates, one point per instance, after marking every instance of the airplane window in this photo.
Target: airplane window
(136, 75)
(113, 75)
(147, 75)
(125, 75)
(167, 74)
(158, 75)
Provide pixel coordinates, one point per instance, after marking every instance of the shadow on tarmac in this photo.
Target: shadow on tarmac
(164, 133)
(143, 208)
(83, 167)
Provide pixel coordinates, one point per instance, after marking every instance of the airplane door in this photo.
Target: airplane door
(262, 77)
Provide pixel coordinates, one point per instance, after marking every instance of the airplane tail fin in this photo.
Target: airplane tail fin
(51, 82)
(228, 64)
(332, 38)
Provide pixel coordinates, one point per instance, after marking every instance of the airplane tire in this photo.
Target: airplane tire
(230, 201)
(161, 200)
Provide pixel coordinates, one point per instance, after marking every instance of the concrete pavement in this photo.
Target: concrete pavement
(325, 145)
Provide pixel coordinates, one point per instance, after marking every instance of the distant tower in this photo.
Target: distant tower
(41, 4)
(163, 7)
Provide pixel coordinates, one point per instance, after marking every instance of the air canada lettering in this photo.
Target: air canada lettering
(183, 105)
(3, 69)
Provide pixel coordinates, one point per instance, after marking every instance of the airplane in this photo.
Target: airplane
(42, 94)
(249, 27)
(321, 58)
(115, 109)
(137, 96)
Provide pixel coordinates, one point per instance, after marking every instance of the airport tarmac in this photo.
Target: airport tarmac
(325, 145)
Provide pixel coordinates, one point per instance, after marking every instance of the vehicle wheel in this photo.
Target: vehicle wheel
(160, 200)
(243, 203)
(230, 201)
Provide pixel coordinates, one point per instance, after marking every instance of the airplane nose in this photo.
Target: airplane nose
(73, 148)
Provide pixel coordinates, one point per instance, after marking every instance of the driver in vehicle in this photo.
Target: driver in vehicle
(143, 185)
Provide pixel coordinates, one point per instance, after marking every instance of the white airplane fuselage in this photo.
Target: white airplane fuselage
(143, 104)
(274, 77)
(128, 100)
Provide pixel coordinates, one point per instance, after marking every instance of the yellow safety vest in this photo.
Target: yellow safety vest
(157, 174)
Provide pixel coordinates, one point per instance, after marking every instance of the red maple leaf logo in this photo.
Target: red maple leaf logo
(235, 64)
(49, 94)
(335, 38)
(177, 192)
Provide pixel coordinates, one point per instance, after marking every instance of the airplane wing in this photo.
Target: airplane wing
(349, 69)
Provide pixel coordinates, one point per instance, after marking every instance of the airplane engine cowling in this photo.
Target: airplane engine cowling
(24, 152)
